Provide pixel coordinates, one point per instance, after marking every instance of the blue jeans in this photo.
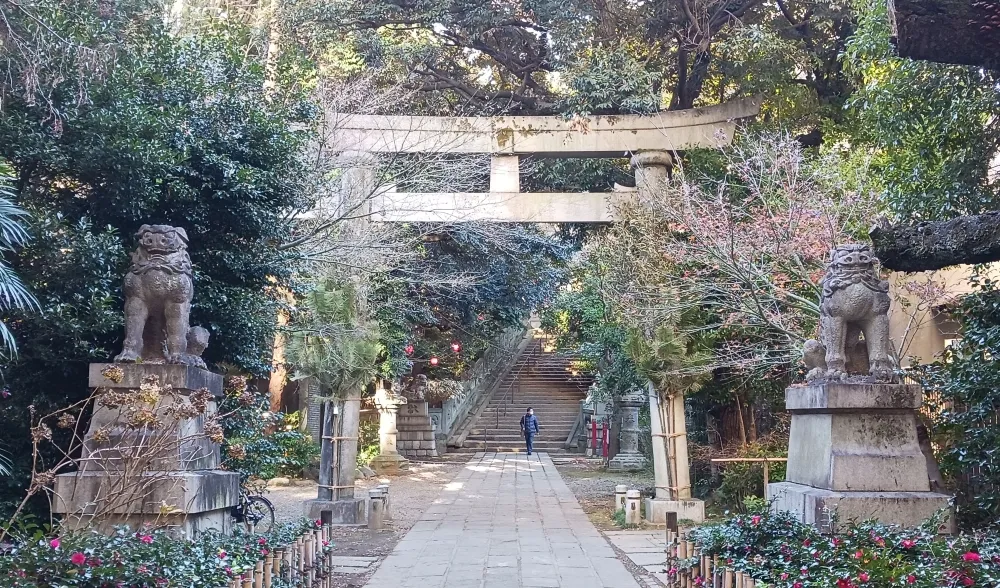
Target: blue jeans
(528, 438)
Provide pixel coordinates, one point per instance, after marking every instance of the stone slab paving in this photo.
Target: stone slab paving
(646, 549)
(352, 564)
(506, 521)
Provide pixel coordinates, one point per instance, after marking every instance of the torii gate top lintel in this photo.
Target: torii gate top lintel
(649, 139)
(595, 136)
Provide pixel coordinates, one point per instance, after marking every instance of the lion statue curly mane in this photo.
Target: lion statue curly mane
(854, 320)
(158, 293)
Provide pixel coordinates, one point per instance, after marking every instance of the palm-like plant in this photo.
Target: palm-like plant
(332, 344)
(6, 465)
(14, 295)
(675, 363)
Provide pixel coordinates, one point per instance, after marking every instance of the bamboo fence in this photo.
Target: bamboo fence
(695, 569)
(302, 563)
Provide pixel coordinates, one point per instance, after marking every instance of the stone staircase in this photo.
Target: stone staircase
(539, 379)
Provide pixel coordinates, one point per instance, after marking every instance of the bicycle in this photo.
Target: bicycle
(255, 512)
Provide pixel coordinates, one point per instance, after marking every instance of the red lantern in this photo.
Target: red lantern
(409, 349)
(456, 346)
(434, 361)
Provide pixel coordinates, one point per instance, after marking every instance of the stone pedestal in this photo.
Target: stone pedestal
(629, 457)
(388, 460)
(853, 454)
(166, 475)
(414, 431)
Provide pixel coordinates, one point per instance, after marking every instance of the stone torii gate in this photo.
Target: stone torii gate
(651, 141)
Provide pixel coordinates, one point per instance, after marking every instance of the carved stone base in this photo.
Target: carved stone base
(853, 451)
(189, 502)
(829, 511)
(687, 510)
(177, 481)
(415, 432)
(391, 463)
(627, 462)
(336, 512)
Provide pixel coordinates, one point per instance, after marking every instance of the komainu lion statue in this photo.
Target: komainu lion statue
(854, 320)
(158, 293)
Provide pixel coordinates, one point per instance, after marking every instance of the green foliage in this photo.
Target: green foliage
(610, 81)
(259, 444)
(331, 341)
(471, 283)
(130, 124)
(964, 393)
(582, 320)
(368, 442)
(777, 550)
(14, 295)
(140, 558)
(744, 481)
(932, 127)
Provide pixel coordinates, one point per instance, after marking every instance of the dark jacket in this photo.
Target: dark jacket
(529, 424)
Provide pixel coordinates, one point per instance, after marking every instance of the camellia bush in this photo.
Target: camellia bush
(137, 559)
(779, 551)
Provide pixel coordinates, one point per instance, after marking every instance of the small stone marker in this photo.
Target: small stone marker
(385, 498)
(376, 506)
(620, 490)
(633, 515)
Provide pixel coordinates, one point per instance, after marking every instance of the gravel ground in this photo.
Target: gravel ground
(411, 493)
(594, 487)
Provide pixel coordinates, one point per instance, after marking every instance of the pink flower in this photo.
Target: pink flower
(94, 562)
(784, 575)
(908, 543)
(911, 579)
(54, 544)
(262, 541)
(806, 543)
(863, 577)
(973, 557)
(967, 581)
(755, 520)
(859, 554)
(222, 554)
(142, 569)
(78, 559)
(264, 552)
(797, 585)
(147, 539)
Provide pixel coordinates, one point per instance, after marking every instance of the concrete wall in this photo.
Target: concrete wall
(919, 323)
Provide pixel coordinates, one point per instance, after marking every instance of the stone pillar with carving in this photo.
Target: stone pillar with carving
(853, 452)
(389, 459)
(629, 457)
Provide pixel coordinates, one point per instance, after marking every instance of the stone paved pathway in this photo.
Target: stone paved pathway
(506, 521)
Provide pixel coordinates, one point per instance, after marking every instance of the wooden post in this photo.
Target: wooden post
(326, 454)
(268, 570)
(767, 477)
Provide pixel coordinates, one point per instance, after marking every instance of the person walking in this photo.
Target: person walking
(529, 427)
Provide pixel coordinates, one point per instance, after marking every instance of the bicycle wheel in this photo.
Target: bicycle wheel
(258, 515)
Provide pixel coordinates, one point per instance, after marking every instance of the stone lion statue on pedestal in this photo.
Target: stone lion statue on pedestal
(158, 293)
(854, 320)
